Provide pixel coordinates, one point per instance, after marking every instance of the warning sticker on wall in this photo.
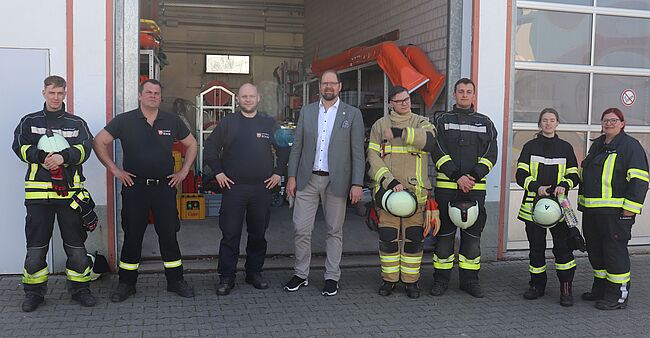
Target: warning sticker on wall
(628, 96)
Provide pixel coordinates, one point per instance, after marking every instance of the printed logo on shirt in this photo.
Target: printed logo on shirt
(164, 132)
(263, 135)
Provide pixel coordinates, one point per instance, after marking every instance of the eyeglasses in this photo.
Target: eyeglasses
(406, 100)
(329, 84)
(610, 121)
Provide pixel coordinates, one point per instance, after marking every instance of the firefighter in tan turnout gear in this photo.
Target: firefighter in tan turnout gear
(398, 159)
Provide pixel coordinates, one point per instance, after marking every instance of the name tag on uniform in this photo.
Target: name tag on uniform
(164, 132)
(263, 135)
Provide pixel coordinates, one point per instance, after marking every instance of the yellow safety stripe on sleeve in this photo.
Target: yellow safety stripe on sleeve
(33, 168)
(390, 269)
(608, 175)
(78, 276)
(172, 264)
(37, 277)
(409, 271)
(442, 161)
(602, 274)
(411, 259)
(443, 263)
(410, 135)
(568, 182)
(74, 205)
(561, 168)
(527, 181)
(572, 170)
(389, 258)
(380, 173)
(82, 151)
(129, 266)
(637, 173)
(469, 264)
(594, 202)
(484, 161)
(535, 270)
(23, 151)
(426, 125)
(523, 166)
(525, 215)
(566, 266)
(618, 278)
(632, 206)
(374, 146)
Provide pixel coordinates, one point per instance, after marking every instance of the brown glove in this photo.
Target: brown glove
(432, 218)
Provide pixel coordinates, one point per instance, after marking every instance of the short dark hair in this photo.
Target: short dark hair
(464, 81)
(152, 81)
(55, 81)
(331, 71)
(396, 90)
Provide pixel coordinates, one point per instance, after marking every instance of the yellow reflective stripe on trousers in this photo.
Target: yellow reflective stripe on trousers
(389, 258)
(443, 263)
(602, 274)
(637, 173)
(469, 264)
(172, 264)
(632, 206)
(608, 175)
(23, 151)
(442, 161)
(129, 266)
(535, 270)
(374, 146)
(411, 259)
(523, 166)
(37, 277)
(409, 270)
(380, 173)
(390, 269)
(595, 202)
(618, 278)
(566, 266)
(82, 151)
(78, 276)
(484, 161)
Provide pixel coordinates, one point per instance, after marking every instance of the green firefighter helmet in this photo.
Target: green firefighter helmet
(52, 143)
(397, 203)
(547, 213)
(463, 213)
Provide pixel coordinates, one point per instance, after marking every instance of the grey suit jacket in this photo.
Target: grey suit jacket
(346, 158)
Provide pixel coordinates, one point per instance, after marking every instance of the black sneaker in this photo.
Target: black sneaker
(533, 292)
(226, 284)
(331, 287)
(85, 298)
(122, 292)
(257, 281)
(181, 288)
(295, 283)
(386, 288)
(412, 290)
(439, 287)
(473, 288)
(31, 302)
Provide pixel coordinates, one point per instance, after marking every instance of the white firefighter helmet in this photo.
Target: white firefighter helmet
(52, 143)
(463, 213)
(547, 213)
(397, 203)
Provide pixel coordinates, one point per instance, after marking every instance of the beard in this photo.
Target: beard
(248, 110)
(328, 96)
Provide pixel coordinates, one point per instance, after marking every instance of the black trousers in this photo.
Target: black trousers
(253, 202)
(137, 200)
(564, 260)
(606, 237)
(39, 224)
(470, 238)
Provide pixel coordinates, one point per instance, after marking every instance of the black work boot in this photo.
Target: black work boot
(473, 287)
(534, 292)
(386, 288)
(32, 301)
(566, 295)
(181, 288)
(615, 297)
(439, 287)
(257, 281)
(122, 292)
(226, 284)
(597, 290)
(412, 290)
(84, 297)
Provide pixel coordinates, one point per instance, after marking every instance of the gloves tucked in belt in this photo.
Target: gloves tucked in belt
(59, 183)
(85, 206)
(432, 218)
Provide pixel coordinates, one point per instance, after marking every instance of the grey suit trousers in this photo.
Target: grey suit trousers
(304, 214)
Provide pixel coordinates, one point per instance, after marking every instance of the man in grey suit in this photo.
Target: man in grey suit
(326, 165)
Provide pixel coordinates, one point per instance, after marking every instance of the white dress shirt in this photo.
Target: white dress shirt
(325, 125)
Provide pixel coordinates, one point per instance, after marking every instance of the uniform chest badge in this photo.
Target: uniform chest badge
(164, 132)
(263, 135)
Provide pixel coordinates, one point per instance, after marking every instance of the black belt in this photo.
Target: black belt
(150, 181)
(320, 173)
